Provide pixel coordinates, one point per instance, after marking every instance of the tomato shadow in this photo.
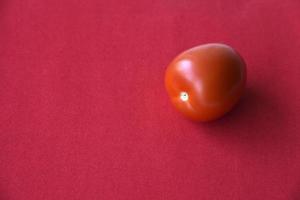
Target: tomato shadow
(296, 196)
(3, 194)
(256, 118)
(2, 7)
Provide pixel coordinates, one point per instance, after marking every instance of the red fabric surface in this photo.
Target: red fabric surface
(84, 113)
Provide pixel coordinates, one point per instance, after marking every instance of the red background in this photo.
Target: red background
(84, 113)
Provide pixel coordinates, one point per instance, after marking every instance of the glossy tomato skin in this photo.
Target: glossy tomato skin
(206, 81)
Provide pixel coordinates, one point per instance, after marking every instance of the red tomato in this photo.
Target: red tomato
(205, 82)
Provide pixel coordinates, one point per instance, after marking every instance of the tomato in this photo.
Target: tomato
(206, 81)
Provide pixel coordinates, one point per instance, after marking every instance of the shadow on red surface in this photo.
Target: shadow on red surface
(253, 119)
(2, 6)
(296, 195)
(3, 194)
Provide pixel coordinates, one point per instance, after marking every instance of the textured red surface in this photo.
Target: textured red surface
(84, 113)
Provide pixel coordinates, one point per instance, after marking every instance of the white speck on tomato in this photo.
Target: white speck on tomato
(184, 96)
